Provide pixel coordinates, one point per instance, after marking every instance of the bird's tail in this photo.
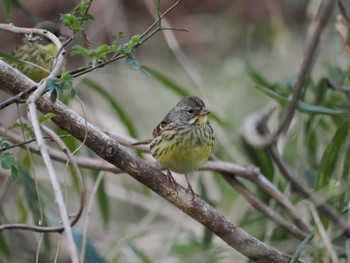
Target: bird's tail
(143, 142)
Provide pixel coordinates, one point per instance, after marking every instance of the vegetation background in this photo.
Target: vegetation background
(229, 49)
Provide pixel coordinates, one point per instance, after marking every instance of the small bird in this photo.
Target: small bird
(183, 140)
(37, 56)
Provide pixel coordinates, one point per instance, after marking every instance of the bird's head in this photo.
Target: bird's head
(191, 110)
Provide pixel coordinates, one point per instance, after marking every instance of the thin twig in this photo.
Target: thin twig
(151, 31)
(88, 215)
(71, 160)
(31, 102)
(300, 187)
(322, 17)
(264, 209)
(323, 233)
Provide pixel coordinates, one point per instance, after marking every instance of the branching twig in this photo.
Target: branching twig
(151, 31)
(260, 206)
(298, 186)
(76, 170)
(31, 102)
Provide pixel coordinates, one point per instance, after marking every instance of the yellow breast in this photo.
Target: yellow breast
(183, 153)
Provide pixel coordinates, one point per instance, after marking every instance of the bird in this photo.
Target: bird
(183, 141)
(36, 56)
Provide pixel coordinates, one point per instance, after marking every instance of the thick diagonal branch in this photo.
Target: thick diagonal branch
(111, 151)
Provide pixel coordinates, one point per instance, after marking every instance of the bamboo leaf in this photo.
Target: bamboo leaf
(302, 106)
(330, 156)
(118, 109)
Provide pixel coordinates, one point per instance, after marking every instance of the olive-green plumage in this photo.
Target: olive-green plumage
(37, 57)
(184, 139)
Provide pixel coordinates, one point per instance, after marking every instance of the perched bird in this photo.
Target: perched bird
(37, 56)
(184, 139)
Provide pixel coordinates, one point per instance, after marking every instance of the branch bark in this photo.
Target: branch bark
(108, 149)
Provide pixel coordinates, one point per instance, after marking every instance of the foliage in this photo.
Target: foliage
(57, 87)
(316, 148)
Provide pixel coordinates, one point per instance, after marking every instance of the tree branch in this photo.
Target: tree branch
(111, 151)
(228, 170)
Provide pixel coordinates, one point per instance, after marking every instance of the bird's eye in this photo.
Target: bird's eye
(190, 111)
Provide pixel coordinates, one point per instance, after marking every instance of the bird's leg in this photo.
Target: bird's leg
(171, 179)
(190, 189)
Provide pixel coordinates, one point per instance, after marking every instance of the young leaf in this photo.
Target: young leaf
(47, 117)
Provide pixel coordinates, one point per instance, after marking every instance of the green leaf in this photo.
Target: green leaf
(177, 89)
(168, 83)
(4, 143)
(132, 61)
(14, 172)
(79, 50)
(115, 105)
(22, 209)
(50, 84)
(301, 247)
(7, 9)
(133, 42)
(330, 157)
(118, 36)
(139, 253)
(11, 59)
(7, 161)
(346, 164)
(103, 201)
(302, 106)
(92, 255)
(47, 117)
(75, 20)
(53, 96)
(31, 195)
(4, 248)
(99, 53)
(257, 77)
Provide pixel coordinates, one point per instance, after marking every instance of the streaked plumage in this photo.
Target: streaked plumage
(184, 139)
(37, 56)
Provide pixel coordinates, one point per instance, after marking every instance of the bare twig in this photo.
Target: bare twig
(300, 187)
(322, 17)
(89, 163)
(253, 174)
(88, 215)
(76, 169)
(260, 206)
(323, 233)
(175, 47)
(31, 102)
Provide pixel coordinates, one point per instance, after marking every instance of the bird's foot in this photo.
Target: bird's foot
(190, 190)
(171, 180)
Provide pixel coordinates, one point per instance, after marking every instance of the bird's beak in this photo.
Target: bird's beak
(204, 112)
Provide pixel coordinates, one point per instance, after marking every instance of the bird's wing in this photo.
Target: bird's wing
(165, 124)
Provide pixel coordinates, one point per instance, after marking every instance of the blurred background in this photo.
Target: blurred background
(128, 223)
